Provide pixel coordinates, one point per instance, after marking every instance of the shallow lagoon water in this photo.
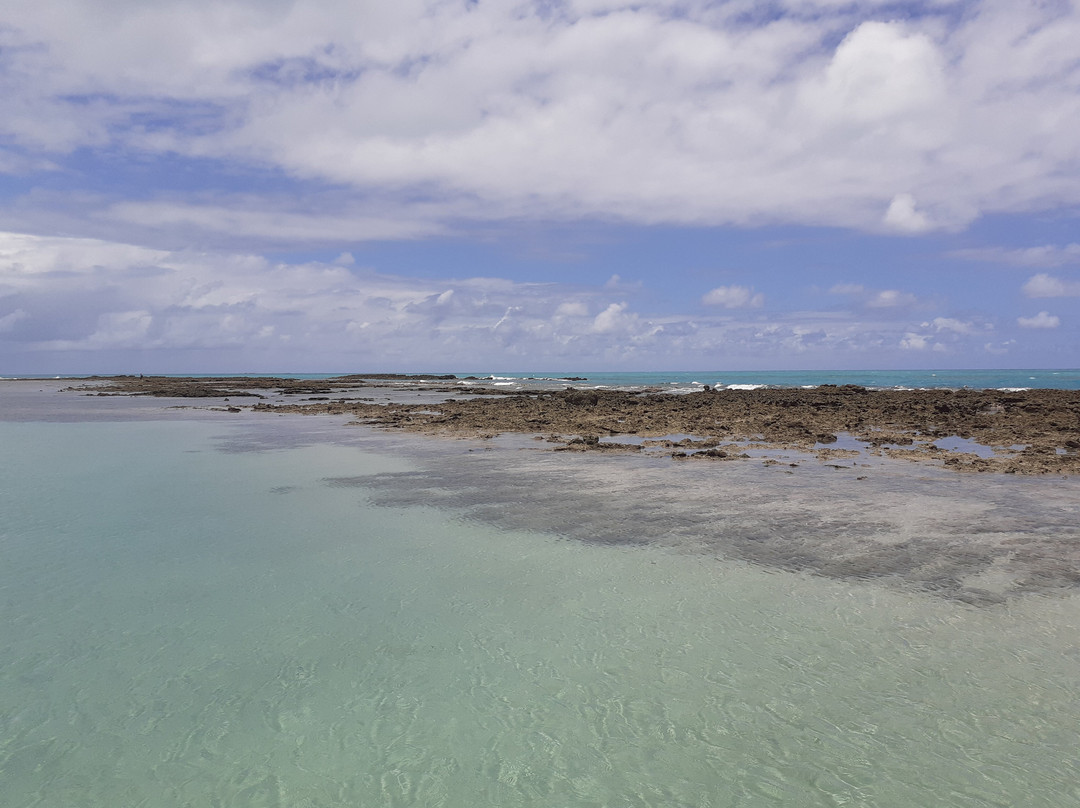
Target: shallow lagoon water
(199, 613)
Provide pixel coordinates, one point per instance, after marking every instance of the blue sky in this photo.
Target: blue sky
(540, 186)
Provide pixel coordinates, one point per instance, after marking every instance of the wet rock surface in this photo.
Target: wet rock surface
(1023, 432)
(253, 386)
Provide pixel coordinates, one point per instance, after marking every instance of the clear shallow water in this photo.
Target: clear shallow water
(188, 621)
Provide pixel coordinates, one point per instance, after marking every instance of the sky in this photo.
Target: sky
(538, 185)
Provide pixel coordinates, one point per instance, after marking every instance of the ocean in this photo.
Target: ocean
(679, 381)
(1060, 379)
(267, 610)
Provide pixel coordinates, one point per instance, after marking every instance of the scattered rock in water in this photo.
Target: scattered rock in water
(1046, 422)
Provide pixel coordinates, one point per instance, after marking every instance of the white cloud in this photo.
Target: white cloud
(181, 310)
(81, 295)
(734, 297)
(915, 342)
(124, 328)
(955, 326)
(891, 298)
(902, 215)
(882, 72)
(510, 312)
(24, 257)
(611, 319)
(1043, 285)
(572, 308)
(1041, 320)
(1000, 349)
(690, 112)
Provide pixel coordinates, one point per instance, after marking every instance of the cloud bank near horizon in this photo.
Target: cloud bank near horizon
(108, 307)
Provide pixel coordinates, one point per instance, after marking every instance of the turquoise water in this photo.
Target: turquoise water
(194, 613)
(910, 379)
(1060, 379)
(977, 379)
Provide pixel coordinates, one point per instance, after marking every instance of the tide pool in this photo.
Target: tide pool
(199, 612)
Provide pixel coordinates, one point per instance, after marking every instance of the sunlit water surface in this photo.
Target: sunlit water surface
(183, 625)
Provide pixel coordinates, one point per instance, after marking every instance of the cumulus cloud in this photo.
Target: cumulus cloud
(915, 342)
(143, 309)
(882, 71)
(82, 296)
(734, 297)
(904, 216)
(1043, 285)
(691, 112)
(613, 318)
(1041, 320)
